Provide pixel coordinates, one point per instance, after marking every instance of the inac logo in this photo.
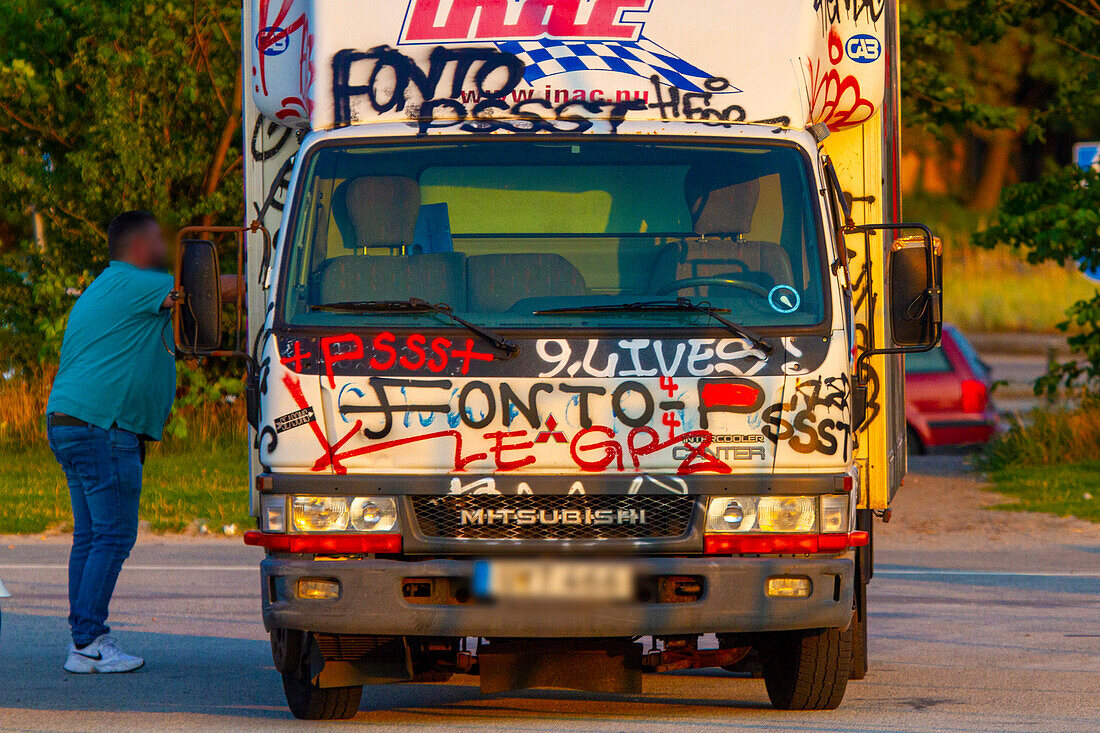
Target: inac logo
(442, 21)
(556, 36)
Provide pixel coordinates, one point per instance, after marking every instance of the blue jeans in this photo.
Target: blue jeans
(103, 468)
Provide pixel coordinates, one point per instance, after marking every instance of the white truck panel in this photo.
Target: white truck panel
(331, 63)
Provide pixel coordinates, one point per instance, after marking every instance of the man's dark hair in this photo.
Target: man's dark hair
(122, 226)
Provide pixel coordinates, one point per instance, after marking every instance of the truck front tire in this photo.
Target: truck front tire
(306, 700)
(808, 670)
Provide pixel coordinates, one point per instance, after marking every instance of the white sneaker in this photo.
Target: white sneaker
(102, 655)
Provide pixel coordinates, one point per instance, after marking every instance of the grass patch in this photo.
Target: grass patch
(1048, 436)
(1068, 490)
(995, 290)
(1049, 461)
(201, 476)
(180, 485)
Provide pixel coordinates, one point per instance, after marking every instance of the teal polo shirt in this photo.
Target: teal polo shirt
(118, 361)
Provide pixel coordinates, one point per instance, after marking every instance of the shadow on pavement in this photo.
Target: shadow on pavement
(182, 674)
(204, 675)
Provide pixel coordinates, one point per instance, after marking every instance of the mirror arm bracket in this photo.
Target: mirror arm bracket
(239, 234)
(933, 290)
(860, 383)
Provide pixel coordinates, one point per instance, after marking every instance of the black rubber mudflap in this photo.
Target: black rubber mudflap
(599, 665)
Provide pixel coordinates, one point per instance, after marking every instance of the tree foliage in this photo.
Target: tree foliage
(1057, 47)
(1057, 218)
(106, 107)
(940, 91)
(984, 64)
(111, 106)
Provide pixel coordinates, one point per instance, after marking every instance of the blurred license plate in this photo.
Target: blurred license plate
(553, 580)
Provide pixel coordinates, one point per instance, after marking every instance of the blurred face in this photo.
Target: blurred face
(148, 249)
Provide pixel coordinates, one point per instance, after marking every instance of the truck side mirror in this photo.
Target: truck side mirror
(915, 307)
(916, 295)
(199, 317)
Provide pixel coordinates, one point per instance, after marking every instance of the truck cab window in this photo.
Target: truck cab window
(505, 231)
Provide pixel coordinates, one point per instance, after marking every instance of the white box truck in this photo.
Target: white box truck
(576, 340)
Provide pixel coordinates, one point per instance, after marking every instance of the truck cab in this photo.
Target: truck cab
(570, 360)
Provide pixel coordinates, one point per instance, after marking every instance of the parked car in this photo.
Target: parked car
(947, 396)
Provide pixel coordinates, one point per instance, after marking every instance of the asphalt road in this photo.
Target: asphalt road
(1016, 374)
(980, 621)
(1016, 361)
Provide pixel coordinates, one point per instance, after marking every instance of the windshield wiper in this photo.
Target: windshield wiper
(680, 304)
(417, 305)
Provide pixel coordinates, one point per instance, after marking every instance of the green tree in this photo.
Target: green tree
(106, 107)
(1056, 217)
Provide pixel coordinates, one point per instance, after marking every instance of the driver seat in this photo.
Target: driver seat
(721, 213)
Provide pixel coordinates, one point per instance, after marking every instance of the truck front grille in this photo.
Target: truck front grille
(573, 517)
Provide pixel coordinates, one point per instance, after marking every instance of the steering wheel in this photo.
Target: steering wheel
(717, 281)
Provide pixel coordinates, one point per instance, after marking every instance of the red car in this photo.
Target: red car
(947, 396)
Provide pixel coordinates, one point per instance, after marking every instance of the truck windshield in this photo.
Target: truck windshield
(549, 234)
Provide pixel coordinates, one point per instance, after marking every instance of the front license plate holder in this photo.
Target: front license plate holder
(553, 580)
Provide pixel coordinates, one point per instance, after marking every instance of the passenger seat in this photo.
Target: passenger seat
(379, 213)
(376, 211)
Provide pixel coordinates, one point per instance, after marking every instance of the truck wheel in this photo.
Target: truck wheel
(286, 648)
(808, 670)
(307, 701)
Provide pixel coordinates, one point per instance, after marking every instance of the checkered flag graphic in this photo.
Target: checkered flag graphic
(644, 58)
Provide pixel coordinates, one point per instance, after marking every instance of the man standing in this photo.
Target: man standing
(113, 390)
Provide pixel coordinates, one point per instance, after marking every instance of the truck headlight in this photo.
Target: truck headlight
(778, 514)
(378, 514)
(321, 514)
(735, 514)
(794, 514)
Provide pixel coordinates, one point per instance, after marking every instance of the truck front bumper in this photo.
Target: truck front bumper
(372, 601)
